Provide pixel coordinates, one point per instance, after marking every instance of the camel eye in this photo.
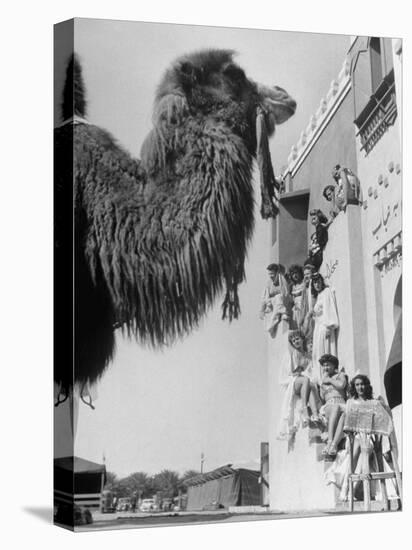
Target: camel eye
(188, 73)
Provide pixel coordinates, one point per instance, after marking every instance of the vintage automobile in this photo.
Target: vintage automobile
(148, 505)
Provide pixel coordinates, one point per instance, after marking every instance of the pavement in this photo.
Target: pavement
(129, 520)
(133, 520)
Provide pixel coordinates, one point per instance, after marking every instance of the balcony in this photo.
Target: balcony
(379, 113)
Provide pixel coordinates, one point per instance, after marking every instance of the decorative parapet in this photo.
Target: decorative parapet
(389, 255)
(318, 121)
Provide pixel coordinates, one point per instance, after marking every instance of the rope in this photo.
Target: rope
(75, 119)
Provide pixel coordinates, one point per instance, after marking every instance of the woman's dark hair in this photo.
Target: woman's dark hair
(336, 172)
(368, 387)
(276, 268)
(328, 358)
(317, 277)
(309, 263)
(273, 267)
(320, 215)
(332, 187)
(295, 268)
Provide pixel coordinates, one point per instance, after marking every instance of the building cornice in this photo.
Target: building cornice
(337, 92)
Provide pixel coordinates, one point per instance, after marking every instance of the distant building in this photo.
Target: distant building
(224, 487)
(358, 127)
(78, 482)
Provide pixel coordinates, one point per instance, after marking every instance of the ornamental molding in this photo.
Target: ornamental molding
(337, 92)
(389, 255)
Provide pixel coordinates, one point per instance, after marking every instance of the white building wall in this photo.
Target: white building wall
(362, 262)
(380, 176)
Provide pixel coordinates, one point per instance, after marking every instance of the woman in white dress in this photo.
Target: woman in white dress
(295, 377)
(325, 324)
(360, 408)
(298, 292)
(273, 307)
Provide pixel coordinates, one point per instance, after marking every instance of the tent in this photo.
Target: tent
(226, 486)
(78, 481)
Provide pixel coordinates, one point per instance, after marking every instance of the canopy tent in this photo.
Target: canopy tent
(224, 487)
(393, 374)
(78, 481)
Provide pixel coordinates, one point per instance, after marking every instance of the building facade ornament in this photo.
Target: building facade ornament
(390, 254)
(338, 90)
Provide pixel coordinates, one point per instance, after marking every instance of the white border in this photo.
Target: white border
(26, 274)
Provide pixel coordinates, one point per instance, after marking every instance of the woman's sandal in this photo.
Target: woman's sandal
(325, 451)
(332, 451)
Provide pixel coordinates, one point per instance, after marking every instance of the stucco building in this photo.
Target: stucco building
(357, 126)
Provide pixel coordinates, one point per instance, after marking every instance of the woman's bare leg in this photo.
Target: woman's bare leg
(356, 454)
(332, 422)
(305, 390)
(302, 389)
(314, 399)
(338, 431)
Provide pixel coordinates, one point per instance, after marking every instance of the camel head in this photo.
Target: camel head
(277, 104)
(209, 83)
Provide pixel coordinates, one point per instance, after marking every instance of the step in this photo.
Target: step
(297, 474)
(376, 506)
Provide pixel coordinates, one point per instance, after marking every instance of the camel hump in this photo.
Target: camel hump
(74, 94)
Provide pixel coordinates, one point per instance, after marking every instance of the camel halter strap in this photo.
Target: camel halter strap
(269, 187)
(75, 119)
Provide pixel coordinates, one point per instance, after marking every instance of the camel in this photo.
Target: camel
(157, 240)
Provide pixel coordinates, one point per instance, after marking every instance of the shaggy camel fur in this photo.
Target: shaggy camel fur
(156, 240)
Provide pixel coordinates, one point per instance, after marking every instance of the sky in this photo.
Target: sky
(207, 394)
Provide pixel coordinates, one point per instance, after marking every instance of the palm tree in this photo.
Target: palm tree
(138, 483)
(167, 483)
(111, 481)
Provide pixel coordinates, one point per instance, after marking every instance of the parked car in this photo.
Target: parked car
(167, 504)
(148, 505)
(123, 504)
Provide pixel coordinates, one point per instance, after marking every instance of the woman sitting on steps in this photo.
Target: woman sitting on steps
(295, 376)
(333, 392)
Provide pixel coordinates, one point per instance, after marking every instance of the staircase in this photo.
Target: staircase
(296, 468)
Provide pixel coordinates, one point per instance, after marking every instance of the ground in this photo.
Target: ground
(125, 520)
